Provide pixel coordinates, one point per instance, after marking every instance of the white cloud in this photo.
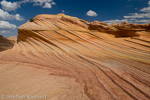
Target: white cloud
(63, 11)
(143, 21)
(5, 32)
(24, 1)
(53, 3)
(136, 15)
(128, 6)
(115, 21)
(146, 9)
(36, 2)
(4, 25)
(40, 2)
(47, 5)
(44, 3)
(131, 19)
(18, 17)
(8, 6)
(149, 2)
(109, 22)
(143, 17)
(91, 13)
(4, 15)
(145, 14)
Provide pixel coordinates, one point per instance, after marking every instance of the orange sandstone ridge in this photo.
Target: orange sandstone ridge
(67, 58)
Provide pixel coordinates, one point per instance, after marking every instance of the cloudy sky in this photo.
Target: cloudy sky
(14, 13)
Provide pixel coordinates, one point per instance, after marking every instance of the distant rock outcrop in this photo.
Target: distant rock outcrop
(12, 38)
(100, 26)
(113, 24)
(124, 23)
(121, 29)
(6, 43)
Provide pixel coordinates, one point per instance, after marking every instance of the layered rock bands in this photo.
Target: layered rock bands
(68, 58)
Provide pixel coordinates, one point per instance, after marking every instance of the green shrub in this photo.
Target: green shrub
(31, 19)
(87, 20)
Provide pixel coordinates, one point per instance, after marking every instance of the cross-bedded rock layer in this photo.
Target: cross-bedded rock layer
(7, 43)
(76, 61)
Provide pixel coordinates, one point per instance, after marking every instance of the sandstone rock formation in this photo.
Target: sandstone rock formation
(67, 58)
(6, 43)
(121, 29)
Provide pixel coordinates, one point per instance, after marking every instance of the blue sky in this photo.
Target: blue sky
(14, 13)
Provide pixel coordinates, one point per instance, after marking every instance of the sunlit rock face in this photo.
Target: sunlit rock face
(68, 58)
(121, 29)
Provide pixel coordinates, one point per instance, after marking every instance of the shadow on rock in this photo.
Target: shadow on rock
(6, 43)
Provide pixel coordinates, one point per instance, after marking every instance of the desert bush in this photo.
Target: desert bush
(87, 20)
(31, 19)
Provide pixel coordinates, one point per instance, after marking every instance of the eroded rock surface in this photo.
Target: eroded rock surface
(121, 29)
(7, 43)
(61, 57)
